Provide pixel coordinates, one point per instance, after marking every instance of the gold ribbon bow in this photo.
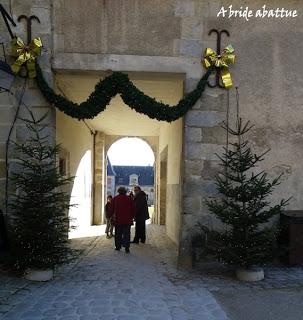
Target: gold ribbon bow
(26, 54)
(221, 61)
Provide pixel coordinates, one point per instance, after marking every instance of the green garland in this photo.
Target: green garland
(116, 83)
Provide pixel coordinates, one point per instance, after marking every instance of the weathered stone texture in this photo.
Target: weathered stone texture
(191, 205)
(119, 26)
(23, 134)
(11, 151)
(193, 167)
(214, 135)
(213, 100)
(204, 118)
(7, 115)
(191, 28)
(210, 170)
(2, 169)
(193, 151)
(4, 131)
(32, 98)
(6, 100)
(190, 48)
(173, 200)
(201, 151)
(198, 187)
(193, 134)
(185, 9)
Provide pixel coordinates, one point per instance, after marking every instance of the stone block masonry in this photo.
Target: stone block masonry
(31, 97)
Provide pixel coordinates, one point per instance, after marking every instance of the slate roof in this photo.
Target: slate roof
(145, 174)
(110, 170)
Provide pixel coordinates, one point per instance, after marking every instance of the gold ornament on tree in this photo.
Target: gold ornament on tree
(222, 62)
(26, 55)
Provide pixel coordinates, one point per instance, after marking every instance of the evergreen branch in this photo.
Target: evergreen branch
(243, 206)
(119, 83)
(39, 221)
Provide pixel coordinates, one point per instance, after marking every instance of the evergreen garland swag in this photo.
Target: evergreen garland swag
(116, 83)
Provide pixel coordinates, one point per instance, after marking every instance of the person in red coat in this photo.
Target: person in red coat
(124, 212)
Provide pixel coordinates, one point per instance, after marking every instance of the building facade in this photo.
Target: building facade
(111, 179)
(159, 44)
(129, 177)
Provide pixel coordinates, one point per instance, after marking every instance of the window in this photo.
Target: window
(63, 162)
(133, 180)
(62, 166)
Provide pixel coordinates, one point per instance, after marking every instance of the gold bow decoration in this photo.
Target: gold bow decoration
(26, 54)
(222, 61)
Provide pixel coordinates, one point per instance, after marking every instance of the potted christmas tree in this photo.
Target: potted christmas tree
(250, 239)
(39, 221)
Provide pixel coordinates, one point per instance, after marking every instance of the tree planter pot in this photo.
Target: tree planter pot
(253, 274)
(39, 274)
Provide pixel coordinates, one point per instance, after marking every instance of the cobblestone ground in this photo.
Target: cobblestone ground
(106, 284)
(278, 297)
(216, 278)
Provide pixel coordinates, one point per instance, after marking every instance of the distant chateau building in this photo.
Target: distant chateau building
(130, 176)
(111, 179)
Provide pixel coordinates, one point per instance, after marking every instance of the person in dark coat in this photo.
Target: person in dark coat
(109, 218)
(141, 215)
(131, 195)
(124, 212)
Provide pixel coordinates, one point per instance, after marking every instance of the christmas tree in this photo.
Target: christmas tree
(244, 207)
(39, 224)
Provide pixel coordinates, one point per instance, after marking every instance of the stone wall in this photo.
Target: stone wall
(30, 96)
(116, 26)
(79, 165)
(270, 96)
(170, 178)
(100, 178)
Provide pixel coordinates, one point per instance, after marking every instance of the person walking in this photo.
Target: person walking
(141, 215)
(109, 218)
(124, 212)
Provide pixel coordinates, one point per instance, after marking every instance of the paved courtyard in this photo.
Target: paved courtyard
(106, 284)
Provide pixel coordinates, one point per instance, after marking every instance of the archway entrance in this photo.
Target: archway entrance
(96, 136)
(130, 163)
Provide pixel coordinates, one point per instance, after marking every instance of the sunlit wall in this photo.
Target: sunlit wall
(77, 149)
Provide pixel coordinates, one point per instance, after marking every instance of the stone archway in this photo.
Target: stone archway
(118, 121)
(103, 144)
(151, 145)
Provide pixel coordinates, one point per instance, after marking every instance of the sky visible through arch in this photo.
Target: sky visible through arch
(131, 152)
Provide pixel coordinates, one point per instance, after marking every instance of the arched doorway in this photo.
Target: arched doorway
(131, 162)
(118, 121)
